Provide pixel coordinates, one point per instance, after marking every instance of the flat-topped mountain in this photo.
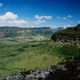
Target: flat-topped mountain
(14, 31)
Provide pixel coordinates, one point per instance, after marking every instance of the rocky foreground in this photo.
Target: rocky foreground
(66, 70)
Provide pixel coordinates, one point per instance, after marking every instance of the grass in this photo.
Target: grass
(17, 54)
(28, 55)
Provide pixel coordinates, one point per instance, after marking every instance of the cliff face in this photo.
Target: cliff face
(68, 35)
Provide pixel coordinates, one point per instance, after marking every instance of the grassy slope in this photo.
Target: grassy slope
(17, 55)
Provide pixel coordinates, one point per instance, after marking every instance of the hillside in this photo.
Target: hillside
(33, 56)
(68, 35)
(19, 54)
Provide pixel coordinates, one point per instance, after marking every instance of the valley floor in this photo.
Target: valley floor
(31, 53)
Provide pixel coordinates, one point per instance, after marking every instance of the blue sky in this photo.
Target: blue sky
(34, 13)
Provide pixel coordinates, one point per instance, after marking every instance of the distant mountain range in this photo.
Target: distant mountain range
(11, 31)
(57, 29)
(14, 31)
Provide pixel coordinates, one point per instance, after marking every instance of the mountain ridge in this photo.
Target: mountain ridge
(68, 35)
(15, 31)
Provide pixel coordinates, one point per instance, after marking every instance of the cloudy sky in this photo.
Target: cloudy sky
(39, 13)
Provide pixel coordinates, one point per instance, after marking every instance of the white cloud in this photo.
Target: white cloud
(79, 21)
(40, 21)
(11, 19)
(58, 17)
(69, 16)
(8, 16)
(67, 25)
(42, 17)
(1, 4)
(64, 18)
(48, 17)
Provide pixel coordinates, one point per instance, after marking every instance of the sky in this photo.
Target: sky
(39, 13)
